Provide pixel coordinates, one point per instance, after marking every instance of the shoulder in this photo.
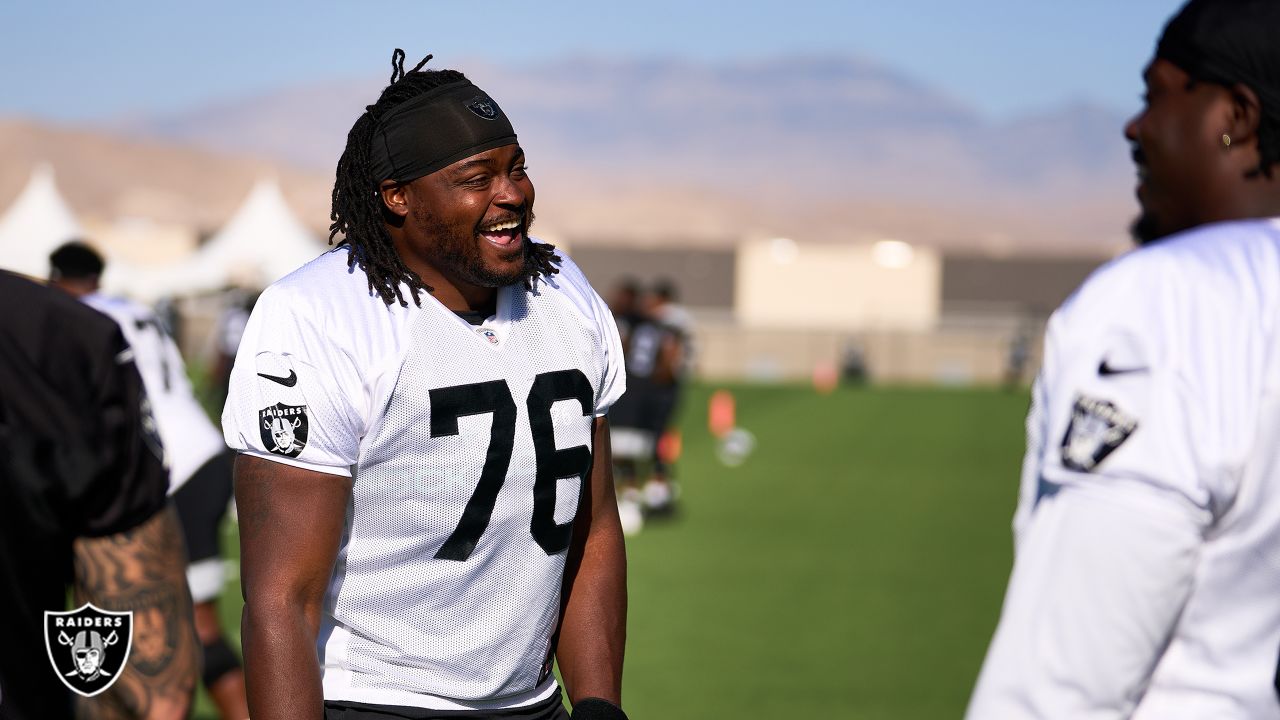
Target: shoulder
(571, 285)
(1216, 279)
(328, 292)
(119, 308)
(1209, 259)
(51, 315)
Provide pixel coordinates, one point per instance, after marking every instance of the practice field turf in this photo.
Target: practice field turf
(851, 567)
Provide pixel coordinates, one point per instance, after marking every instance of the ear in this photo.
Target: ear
(395, 197)
(1246, 115)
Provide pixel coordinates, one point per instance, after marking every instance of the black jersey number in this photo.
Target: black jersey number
(451, 403)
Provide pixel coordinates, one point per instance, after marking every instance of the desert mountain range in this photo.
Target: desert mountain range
(663, 152)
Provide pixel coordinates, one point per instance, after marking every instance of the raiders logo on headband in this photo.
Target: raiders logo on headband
(483, 106)
(96, 642)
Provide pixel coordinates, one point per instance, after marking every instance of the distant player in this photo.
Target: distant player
(1147, 578)
(199, 462)
(427, 512)
(638, 418)
(82, 504)
(669, 385)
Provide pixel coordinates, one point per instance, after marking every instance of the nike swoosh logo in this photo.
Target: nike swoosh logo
(1104, 369)
(289, 381)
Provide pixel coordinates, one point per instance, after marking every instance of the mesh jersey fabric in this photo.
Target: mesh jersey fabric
(1159, 402)
(433, 602)
(190, 439)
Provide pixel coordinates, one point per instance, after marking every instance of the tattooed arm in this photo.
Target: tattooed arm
(143, 570)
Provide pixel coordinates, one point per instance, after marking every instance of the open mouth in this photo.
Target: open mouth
(505, 233)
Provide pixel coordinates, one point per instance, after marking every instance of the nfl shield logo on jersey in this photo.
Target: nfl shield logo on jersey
(88, 647)
(488, 334)
(283, 428)
(1097, 427)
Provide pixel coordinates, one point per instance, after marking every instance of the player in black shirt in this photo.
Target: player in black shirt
(82, 501)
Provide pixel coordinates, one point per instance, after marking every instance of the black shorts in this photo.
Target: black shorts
(201, 502)
(550, 709)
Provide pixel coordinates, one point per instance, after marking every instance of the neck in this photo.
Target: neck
(1259, 197)
(455, 294)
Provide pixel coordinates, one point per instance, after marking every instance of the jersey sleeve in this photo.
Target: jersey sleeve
(613, 382)
(615, 377)
(296, 393)
(1134, 436)
(80, 450)
(132, 479)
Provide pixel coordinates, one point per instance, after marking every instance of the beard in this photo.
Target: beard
(1145, 229)
(456, 252)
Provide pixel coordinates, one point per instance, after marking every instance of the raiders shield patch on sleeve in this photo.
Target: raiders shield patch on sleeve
(1097, 428)
(283, 428)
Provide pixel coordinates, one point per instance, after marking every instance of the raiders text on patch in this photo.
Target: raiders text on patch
(288, 381)
(284, 428)
(88, 647)
(1097, 427)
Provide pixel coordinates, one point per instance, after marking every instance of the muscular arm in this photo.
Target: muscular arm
(594, 625)
(143, 570)
(291, 523)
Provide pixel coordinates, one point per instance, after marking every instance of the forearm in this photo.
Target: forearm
(594, 626)
(143, 570)
(282, 675)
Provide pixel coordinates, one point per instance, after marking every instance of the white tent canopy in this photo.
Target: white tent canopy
(261, 243)
(37, 222)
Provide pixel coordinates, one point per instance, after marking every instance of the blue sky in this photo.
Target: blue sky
(82, 60)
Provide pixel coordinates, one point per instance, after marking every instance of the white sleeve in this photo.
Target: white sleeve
(1133, 438)
(295, 394)
(614, 382)
(1100, 578)
(613, 377)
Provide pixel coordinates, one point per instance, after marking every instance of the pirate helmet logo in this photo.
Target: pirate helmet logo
(284, 428)
(88, 647)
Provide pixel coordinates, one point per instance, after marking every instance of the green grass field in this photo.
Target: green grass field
(852, 567)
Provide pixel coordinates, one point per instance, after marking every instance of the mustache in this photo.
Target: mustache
(525, 217)
(1139, 157)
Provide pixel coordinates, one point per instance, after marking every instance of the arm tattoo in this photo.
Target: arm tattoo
(143, 570)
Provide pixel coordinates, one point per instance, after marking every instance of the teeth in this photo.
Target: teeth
(499, 227)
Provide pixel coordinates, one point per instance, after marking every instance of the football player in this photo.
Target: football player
(82, 501)
(1147, 575)
(427, 512)
(198, 461)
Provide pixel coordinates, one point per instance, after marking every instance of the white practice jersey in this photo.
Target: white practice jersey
(466, 445)
(1146, 582)
(190, 438)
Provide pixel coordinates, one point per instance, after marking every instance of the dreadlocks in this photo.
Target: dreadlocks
(357, 211)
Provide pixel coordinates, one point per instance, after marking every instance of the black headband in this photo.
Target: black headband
(1227, 42)
(435, 130)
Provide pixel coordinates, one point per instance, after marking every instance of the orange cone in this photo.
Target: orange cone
(721, 413)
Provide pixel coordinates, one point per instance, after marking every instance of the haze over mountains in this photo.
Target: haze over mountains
(821, 149)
